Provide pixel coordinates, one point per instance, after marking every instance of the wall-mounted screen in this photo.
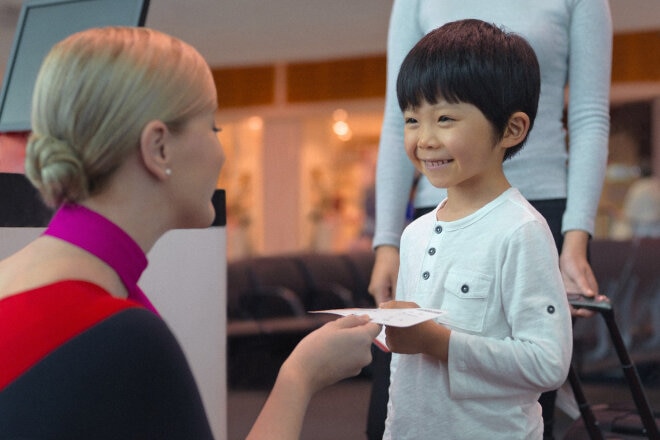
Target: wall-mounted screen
(41, 24)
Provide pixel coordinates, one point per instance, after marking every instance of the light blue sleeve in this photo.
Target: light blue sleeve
(590, 63)
(394, 172)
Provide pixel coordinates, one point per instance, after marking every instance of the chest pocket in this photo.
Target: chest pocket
(466, 299)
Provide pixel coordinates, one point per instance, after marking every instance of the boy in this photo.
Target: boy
(469, 93)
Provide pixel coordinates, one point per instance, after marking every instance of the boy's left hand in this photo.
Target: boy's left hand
(428, 337)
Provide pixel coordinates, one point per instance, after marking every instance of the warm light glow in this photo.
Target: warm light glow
(341, 128)
(255, 123)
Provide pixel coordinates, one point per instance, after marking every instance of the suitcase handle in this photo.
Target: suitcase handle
(580, 301)
(630, 372)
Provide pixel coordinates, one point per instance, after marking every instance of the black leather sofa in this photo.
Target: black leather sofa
(268, 303)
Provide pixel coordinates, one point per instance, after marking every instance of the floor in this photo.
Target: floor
(339, 412)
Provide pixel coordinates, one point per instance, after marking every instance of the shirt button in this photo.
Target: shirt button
(438, 229)
(465, 288)
(432, 251)
(551, 309)
(426, 275)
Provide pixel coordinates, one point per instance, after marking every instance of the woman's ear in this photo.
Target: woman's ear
(516, 129)
(153, 149)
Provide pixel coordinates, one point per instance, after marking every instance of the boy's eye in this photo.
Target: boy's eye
(216, 129)
(410, 120)
(444, 119)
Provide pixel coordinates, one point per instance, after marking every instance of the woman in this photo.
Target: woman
(124, 145)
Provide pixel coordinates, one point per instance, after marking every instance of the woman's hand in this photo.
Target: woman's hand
(384, 274)
(575, 270)
(333, 352)
(337, 350)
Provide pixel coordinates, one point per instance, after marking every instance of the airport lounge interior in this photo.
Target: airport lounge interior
(301, 91)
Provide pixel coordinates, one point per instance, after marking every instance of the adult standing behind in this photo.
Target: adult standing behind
(124, 144)
(572, 40)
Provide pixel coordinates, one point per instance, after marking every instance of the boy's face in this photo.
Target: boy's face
(453, 145)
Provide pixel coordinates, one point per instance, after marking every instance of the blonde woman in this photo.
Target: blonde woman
(124, 145)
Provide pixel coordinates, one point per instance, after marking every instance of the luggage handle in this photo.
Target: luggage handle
(604, 307)
(580, 301)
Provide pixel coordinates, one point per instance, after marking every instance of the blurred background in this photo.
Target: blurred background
(301, 86)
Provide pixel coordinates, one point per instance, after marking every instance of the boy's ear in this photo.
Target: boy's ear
(153, 149)
(516, 129)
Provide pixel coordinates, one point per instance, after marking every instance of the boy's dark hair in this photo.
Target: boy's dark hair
(477, 63)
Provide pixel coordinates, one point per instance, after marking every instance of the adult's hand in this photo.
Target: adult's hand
(384, 274)
(337, 350)
(575, 269)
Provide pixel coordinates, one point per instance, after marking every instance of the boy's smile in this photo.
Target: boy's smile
(433, 164)
(454, 146)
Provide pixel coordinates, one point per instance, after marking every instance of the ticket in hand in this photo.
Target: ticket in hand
(391, 317)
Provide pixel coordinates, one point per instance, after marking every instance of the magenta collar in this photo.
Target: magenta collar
(97, 235)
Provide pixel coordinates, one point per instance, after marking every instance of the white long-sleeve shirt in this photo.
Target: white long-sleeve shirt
(573, 42)
(496, 275)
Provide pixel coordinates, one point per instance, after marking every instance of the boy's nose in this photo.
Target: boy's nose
(427, 140)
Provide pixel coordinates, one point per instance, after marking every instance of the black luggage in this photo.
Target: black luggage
(615, 421)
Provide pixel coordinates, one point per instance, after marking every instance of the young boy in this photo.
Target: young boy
(469, 92)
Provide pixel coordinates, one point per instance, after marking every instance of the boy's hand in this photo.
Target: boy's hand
(428, 337)
(398, 305)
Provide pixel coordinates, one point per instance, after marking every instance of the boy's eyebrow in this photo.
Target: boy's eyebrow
(439, 105)
(442, 102)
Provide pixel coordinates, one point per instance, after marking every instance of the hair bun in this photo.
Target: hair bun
(56, 169)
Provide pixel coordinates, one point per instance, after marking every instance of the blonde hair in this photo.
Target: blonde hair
(94, 94)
